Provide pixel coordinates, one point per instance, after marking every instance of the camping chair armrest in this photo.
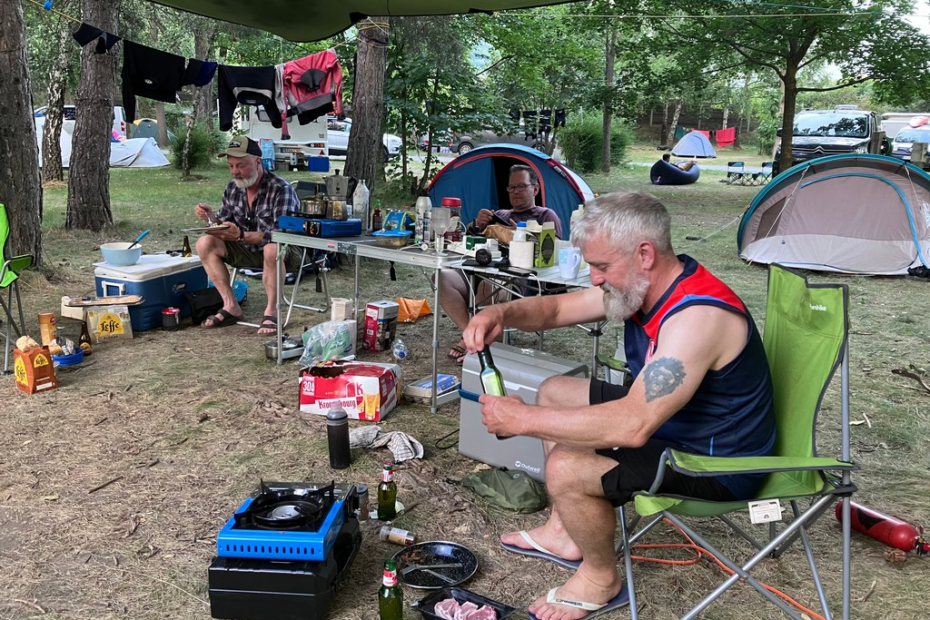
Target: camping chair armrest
(700, 465)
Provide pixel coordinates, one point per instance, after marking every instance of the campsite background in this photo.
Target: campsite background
(181, 426)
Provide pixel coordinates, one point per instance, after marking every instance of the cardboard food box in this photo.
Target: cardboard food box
(366, 391)
(34, 370)
(380, 325)
(109, 322)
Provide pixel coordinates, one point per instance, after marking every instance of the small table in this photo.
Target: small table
(515, 284)
(366, 246)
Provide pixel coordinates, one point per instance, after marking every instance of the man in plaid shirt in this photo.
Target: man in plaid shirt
(252, 203)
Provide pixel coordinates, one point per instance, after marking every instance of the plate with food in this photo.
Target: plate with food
(203, 229)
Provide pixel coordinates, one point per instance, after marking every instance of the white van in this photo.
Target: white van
(904, 140)
(305, 141)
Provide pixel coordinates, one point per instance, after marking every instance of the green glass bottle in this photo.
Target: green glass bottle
(387, 493)
(491, 380)
(390, 596)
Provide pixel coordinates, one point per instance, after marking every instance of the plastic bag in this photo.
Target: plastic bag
(331, 340)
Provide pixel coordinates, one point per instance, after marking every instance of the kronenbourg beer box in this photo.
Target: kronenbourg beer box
(160, 279)
(367, 391)
(523, 371)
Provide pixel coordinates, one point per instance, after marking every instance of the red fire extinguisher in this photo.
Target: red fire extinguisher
(884, 528)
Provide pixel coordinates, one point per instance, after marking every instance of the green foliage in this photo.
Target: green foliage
(206, 141)
(581, 141)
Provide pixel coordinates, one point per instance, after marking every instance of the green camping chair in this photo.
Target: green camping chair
(9, 273)
(805, 341)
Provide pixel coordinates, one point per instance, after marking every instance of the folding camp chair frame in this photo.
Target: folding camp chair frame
(777, 543)
(13, 265)
(736, 174)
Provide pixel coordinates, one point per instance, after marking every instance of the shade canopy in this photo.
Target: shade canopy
(313, 20)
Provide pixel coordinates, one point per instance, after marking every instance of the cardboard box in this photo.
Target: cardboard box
(109, 322)
(380, 325)
(367, 392)
(34, 370)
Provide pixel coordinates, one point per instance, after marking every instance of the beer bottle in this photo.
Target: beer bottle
(491, 380)
(390, 596)
(85, 342)
(387, 493)
(186, 250)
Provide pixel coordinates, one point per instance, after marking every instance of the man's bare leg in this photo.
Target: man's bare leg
(212, 252)
(574, 481)
(270, 282)
(554, 392)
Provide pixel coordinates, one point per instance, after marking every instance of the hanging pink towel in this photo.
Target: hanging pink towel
(706, 133)
(726, 137)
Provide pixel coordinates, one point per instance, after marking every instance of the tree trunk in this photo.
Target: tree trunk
(663, 130)
(162, 121)
(674, 124)
(726, 114)
(54, 111)
(204, 33)
(185, 151)
(366, 152)
(20, 188)
(789, 101)
(89, 178)
(610, 56)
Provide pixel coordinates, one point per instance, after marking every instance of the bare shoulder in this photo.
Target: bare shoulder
(710, 333)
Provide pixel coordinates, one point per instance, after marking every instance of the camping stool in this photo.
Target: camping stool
(320, 269)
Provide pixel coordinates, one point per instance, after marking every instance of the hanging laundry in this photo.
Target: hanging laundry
(515, 116)
(559, 118)
(706, 133)
(545, 121)
(199, 72)
(149, 73)
(310, 87)
(529, 124)
(87, 33)
(250, 86)
(726, 137)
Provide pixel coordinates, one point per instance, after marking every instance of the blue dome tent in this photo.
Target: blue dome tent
(479, 179)
(694, 144)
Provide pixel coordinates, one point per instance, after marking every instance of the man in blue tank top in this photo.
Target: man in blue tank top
(701, 384)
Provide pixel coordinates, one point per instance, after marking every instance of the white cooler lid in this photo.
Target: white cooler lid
(150, 266)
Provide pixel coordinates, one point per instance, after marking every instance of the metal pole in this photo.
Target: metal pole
(435, 397)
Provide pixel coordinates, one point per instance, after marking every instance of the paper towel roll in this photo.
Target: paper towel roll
(521, 254)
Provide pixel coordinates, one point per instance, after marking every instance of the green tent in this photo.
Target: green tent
(314, 20)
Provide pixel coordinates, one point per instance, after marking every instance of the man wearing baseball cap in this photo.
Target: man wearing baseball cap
(252, 203)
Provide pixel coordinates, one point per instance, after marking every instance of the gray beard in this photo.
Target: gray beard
(246, 182)
(619, 305)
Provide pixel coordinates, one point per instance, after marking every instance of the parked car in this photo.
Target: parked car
(463, 143)
(70, 114)
(820, 133)
(441, 139)
(338, 132)
(901, 147)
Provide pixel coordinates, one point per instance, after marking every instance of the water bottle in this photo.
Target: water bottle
(337, 435)
(399, 350)
(520, 233)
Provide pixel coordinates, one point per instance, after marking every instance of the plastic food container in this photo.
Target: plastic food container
(63, 361)
(392, 238)
(426, 604)
(117, 254)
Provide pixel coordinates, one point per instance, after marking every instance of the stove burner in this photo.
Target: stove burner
(299, 509)
(287, 515)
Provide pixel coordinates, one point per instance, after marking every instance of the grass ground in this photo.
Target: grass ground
(185, 424)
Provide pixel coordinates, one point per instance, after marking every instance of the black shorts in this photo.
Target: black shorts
(637, 467)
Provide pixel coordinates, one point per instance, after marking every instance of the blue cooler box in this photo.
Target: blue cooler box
(160, 279)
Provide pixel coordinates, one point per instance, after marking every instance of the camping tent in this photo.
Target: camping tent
(136, 153)
(865, 214)
(479, 179)
(694, 144)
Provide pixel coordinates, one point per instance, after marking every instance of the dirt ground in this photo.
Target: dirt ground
(113, 487)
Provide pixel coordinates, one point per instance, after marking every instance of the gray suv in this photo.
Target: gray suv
(821, 133)
(466, 142)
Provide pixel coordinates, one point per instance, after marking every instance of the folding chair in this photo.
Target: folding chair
(761, 178)
(9, 275)
(735, 173)
(805, 341)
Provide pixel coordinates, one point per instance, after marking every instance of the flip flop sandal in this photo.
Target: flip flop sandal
(457, 353)
(227, 318)
(268, 322)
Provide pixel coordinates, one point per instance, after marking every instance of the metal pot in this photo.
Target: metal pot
(315, 207)
(289, 350)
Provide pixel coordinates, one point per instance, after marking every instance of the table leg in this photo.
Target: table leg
(279, 256)
(434, 407)
(358, 264)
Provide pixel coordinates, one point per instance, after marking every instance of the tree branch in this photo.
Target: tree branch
(837, 87)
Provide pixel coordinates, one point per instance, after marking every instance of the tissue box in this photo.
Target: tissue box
(366, 391)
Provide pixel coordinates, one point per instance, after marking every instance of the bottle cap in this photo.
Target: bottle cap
(336, 416)
(521, 224)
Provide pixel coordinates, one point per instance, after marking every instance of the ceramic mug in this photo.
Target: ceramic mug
(569, 262)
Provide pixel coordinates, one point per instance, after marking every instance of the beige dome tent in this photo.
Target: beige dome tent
(864, 214)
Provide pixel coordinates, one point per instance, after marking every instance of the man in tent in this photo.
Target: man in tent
(522, 188)
(701, 385)
(252, 203)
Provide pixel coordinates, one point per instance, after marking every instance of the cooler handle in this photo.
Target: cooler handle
(119, 286)
(472, 396)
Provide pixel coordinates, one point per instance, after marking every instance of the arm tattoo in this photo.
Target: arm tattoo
(662, 376)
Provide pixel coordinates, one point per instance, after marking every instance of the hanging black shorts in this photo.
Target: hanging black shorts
(637, 467)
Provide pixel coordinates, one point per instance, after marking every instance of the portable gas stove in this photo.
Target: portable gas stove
(282, 554)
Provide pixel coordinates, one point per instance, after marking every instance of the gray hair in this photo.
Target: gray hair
(626, 218)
